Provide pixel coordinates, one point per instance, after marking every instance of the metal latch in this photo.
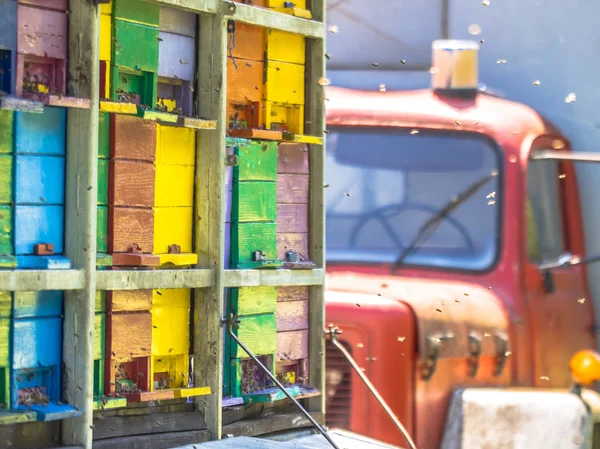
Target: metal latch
(501, 342)
(174, 249)
(474, 345)
(43, 249)
(259, 256)
(433, 346)
(291, 256)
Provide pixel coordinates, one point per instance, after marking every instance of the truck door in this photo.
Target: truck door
(561, 310)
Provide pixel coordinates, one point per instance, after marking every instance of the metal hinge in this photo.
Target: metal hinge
(433, 346)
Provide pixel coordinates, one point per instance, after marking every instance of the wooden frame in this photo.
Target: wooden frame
(209, 278)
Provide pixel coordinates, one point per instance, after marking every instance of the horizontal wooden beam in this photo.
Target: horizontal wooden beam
(278, 21)
(255, 278)
(197, 6)
(34, 280)
(140, 280)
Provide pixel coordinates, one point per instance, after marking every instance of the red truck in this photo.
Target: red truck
(454, 250)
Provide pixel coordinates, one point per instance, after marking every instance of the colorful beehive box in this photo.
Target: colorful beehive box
(5, 317)
(134, 52)
(284, 82)
(101, 400)
(102, 208)
(176, 64)
(254, 205)
(36, 355)
(296, 8)
(255, 308)
(292, 205)
(132, 175)
(7, 259)
(174, 195)
(129, 346)
(245, 72)
(170, 362)
(105, 48)
(39, 195)
(292, 335)
(8, 45)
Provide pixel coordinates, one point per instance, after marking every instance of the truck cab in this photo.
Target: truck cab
(445, 236)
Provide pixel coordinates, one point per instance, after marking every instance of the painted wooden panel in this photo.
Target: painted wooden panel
(258, 333)
(177, 21)
(131, 183)
(244, 84)
(171, 298)
(284, 117)
(99, 335)
(42, 32)
(106, 8)
(257, 161)
(254, 201)
(6, 178)
(38, 76)
(8, 43)
(174, 185)
(249, 237)
(6, 127)
(104, 135)
(60, 5)
(293, 158)
(292, 242)
(137, 11)
(129, 300)
(172, 226)
(4, 345)
(37, 342)
(228, 205)
(38, 224)
(103, 181)
(6, 226)
(253, 300)
(249, 43)
(292, 188)
(132, 138)
(176, 56)
(41, 133)
(133, 86)
(292, 315)
(292, 345)
(227, 250)
(131, 335)
(285, 47)
(285, 82)
(39, 179)
(100, 301)
(292, 293)
(37, 304)
(102, 229)
(175, 146)
(105, 37)
(128, 226)
(5, 304)
(170, 331)
(292, 218)
(105, 82)
(135, 46)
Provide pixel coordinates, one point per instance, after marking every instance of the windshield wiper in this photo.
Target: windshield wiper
(429, 227)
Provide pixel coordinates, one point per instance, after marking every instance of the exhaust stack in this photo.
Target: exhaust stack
(454, 66)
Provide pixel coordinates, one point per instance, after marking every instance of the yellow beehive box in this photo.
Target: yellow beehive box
(285, 47)
(284, 117)
(298, 10)
(285, 83)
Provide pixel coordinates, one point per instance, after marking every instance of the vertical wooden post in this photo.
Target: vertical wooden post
(315, 116)
(210, 216)
(80, 220)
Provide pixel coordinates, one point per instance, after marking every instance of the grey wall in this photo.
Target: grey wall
(554, 41)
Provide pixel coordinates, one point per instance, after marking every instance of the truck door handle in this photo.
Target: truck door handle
(433, 346)
(474, 345)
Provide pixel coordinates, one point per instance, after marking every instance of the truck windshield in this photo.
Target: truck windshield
(383, 184)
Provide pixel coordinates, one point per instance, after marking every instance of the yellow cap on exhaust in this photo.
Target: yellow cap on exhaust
(454, 65)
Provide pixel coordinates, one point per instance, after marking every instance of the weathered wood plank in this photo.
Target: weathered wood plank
(129, 301)
(6, 131)
(137, 46)
(285, 83)
(253, 300)
(130, 336)
(292, 189)
(6, 179)
(285, 47)
(137, 11)
(26, 280)
(176, 21)
(254, 202)
(132, 138)
(156, 441)
(292, 293)
(131, 183)
(269, 424)
(293, 158)
(292, 315)
(254, 278)
(135, 279)
(39, 179)
(249, 42)
(155, 423)
(177, 55)
(249, 237)
(292, 242)
(292, 345)
(6, 247)
(31, 434)
(292, 218)
(258, 335)
(42, 32)
(257, 161)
